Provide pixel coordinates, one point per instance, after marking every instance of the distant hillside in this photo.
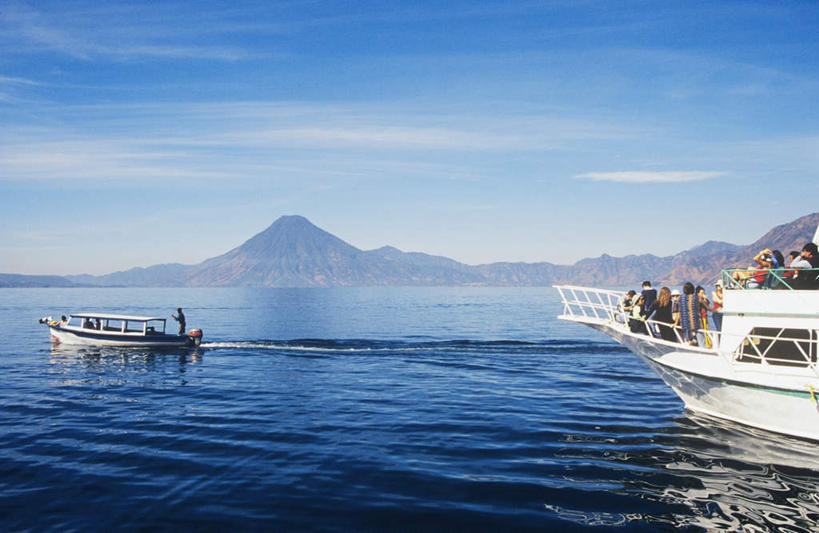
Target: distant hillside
(786, 237)
(293, 252)
(22, 280)
(168, 275)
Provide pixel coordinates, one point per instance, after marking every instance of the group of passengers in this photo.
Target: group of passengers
(683, 317)
(770, 270)
(659, 314)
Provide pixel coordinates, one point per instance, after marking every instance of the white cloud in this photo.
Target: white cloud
(8, 80)
(648, 176)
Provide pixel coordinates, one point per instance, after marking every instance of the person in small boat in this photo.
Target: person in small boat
(87, 324)
(179, 317)
(661, 312)
(63, 320)
(689, 314)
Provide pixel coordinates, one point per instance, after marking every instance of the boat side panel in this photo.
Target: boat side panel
(787, 412)
(97, 339)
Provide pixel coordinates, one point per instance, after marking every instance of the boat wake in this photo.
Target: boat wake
(374, 346)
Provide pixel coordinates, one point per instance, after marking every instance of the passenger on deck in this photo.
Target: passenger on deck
(624, 308)
(801, 260)
(661, 311)
(628, 301)
(689, 314)
(703, 306)
(809, 258)
(63, 320)
(765, 260)
(636, 323)
(789, 273)
(716, 298)
(675, 305)
(778, 259)
(649, 294)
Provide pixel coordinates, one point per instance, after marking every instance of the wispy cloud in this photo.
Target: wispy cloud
(648, 176)
(220, 138)
(70, 33)
(9, 80)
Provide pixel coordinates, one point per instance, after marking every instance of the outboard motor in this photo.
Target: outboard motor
(195, 336)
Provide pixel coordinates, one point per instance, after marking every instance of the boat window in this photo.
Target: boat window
(780, 346)
(112, 325)
(134, 327)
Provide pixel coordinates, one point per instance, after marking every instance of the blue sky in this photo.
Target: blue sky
(136, 133)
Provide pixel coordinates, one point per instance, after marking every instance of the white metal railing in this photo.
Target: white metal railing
(781, 349)
(602, 304)
(770, 349)
(606, 305)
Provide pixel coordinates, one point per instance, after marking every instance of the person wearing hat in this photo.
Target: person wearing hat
(716, 300)
(675, 305)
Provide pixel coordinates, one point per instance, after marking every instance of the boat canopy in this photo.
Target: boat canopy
(109, 316)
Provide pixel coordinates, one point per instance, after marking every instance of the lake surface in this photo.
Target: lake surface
(416, 409)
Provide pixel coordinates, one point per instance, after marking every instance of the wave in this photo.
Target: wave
(369, 345)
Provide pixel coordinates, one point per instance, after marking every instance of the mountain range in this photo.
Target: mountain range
(293, 252)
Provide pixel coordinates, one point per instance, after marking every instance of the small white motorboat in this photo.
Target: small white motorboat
(104, 329)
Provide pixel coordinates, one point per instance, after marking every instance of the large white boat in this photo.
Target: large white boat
(760, 369)
(103, 329)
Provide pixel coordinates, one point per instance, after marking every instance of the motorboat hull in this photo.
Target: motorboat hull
(98, 338)
(709, 383)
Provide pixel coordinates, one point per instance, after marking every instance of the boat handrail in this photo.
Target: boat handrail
(605, 304)
(589, 302)
(774, 278)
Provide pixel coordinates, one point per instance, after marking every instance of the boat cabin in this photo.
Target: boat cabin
(110, 323)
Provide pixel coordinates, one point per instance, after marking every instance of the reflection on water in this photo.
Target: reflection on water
(712, 474)
(742, 478)
(110, 365)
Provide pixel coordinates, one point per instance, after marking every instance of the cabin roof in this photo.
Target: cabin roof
(110, 316)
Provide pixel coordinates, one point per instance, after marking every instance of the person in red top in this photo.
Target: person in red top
(716, 299)
(765, 260)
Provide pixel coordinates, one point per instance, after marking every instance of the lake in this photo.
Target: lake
(358, 409)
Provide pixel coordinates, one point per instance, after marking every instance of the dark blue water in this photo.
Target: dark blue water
(468, 409)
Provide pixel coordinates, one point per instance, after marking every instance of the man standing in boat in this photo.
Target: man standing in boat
(179, 317)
